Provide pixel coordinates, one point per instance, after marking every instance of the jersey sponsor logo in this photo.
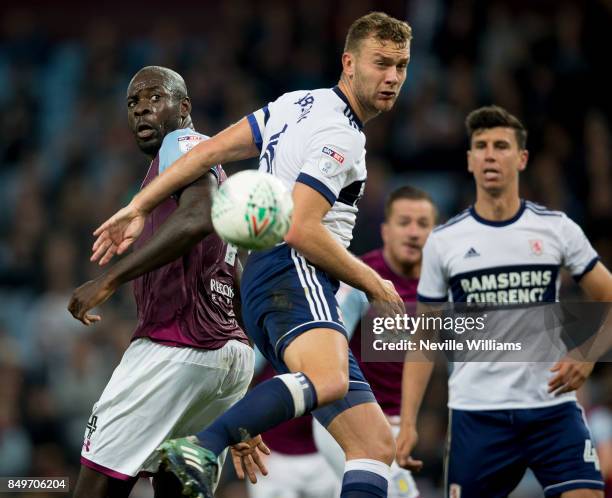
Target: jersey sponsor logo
(509, 285)
(188, 142)
(536, 246)
(472, 253)
(221, 288)
(333, 154)
(331, 161)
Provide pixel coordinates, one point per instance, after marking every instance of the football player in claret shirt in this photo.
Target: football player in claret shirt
(189, 360)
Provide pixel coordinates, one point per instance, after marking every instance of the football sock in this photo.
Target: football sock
(265, 406)
(365, 478)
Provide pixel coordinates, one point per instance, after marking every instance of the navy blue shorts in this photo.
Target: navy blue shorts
(490, 451)
(283, 296)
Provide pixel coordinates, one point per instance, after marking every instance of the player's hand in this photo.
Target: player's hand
(247, 458)
(406, 441)
(386, 301)
(88, 296)
(570, 375)
(117, 233)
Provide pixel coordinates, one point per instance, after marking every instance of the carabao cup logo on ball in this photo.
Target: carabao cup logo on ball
(252, 210)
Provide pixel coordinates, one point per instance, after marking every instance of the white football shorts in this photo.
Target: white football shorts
(161, 392)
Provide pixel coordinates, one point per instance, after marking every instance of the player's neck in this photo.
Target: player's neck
(346, 86)
(406, 271)
(497, 208)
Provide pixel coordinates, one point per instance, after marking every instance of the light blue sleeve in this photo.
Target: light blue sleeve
(353, 304)
(260, 362)
(176, 144)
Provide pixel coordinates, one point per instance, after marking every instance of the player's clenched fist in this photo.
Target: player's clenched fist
(88, 296)
(406, 441)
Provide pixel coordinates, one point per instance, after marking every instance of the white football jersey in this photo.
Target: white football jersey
(314, 137)
(470, 259)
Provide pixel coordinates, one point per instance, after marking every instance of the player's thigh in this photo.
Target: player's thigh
(484, 454)
(322, 355)
(363, 431)
(93, 484)
(561, 453)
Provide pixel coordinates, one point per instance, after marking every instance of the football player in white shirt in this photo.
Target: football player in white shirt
(311, 140)
(507, 417)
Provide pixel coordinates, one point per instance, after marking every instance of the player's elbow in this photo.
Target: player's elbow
(195, 228)
(294, 237)
(300, 235)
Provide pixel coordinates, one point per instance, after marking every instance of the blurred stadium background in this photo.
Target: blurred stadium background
(67, 160)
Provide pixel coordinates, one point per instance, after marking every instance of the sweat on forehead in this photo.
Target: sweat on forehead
(158, 76)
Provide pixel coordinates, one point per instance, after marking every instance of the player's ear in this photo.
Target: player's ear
(348, 64)
(185, 107)
(469, 162)
(524, 157)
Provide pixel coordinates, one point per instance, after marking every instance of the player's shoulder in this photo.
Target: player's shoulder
(544, 217)
(457, 222)
(540, 210)
(176, 143)
(323, 109)
(183, 138)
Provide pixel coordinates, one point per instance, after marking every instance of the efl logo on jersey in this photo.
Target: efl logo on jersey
(454, 491)
(536, 246)
(332, 153)
(188, 142)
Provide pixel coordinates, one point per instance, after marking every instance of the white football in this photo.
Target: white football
(252, 210)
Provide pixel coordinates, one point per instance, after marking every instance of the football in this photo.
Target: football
(252, 210)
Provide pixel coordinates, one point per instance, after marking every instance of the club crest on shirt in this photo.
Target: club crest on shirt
(536, 246)
(188, 142)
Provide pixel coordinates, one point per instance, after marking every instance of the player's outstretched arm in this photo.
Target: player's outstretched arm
(184, 228)
(311, 239)
(117, 233)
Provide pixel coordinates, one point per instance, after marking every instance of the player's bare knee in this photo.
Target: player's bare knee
(334, 388)
(384, 448)
(330, 386)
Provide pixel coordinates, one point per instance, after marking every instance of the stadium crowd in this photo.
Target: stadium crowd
(67, 162)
